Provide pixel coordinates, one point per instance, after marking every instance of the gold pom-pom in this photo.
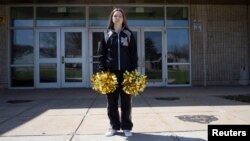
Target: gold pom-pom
(134, 82)
(104, 82)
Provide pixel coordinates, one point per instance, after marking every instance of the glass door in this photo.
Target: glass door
(59, 58)
(47, 58)
(150, 47)
(72, 61)
(137, 35)
(152, 56)
(95, 36)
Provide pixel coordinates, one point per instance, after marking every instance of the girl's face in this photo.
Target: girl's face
(117, 18)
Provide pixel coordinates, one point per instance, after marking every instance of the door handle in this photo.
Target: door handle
(62, 59)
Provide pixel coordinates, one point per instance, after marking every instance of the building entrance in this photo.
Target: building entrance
(59, 58)
(150, 53)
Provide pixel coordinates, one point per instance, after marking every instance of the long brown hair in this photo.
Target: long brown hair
(124, 23)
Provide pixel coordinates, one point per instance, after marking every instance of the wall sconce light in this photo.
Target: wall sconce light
(197, 25)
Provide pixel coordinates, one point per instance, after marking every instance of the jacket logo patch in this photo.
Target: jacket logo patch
(124, 41)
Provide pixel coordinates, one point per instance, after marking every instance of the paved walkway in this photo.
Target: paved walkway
(159, 114)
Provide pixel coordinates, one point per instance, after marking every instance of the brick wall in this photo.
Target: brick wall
(227, 43)
(221, 48)
(198, 13)
(3, 50)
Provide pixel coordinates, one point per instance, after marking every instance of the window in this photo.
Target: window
(177, 16)
(178, 74)
(60, 16)
(145, 16)
(22, 48)
(99, 16)
(178, 50)
(22, 77)
(178, 45)
(21, 16)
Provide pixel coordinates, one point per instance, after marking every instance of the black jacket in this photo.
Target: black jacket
(118, 51)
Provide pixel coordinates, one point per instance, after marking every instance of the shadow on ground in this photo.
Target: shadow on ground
(157, 137)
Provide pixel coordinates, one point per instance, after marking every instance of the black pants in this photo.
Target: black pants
(116, 122)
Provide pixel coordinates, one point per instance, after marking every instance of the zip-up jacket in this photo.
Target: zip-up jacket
(118, 51)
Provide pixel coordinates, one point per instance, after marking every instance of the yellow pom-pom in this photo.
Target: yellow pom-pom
(134, 82)
(104, 82)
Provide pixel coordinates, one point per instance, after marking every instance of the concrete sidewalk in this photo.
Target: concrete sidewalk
(159, 114)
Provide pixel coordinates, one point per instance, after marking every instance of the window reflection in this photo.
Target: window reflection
(153, 55)
(73, 72)
(22, 47)
(178, 74)
(47, 44)
(22, 77)
(178, 45)
(73, 44)
(48, 73)
(96, 42)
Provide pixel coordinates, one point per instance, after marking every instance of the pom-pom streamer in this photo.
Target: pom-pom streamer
(104, 82)
(134, 82)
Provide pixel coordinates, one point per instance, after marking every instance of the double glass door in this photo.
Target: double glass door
(150, 53)
(59, 58)
(164, 56)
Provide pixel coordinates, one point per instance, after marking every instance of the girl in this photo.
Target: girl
(118, 53)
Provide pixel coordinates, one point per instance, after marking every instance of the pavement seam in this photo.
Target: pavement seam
(91, 105)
